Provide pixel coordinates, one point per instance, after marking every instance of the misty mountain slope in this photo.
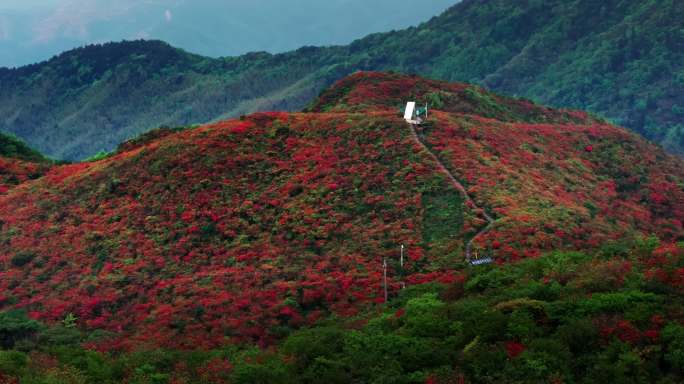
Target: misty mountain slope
(119, 90)
(620, 59)
(33, 31)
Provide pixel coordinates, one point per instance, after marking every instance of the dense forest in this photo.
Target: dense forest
(621, 59)
(14, 148)
(567, 317)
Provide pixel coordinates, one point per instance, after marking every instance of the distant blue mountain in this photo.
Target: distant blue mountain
(31, 33)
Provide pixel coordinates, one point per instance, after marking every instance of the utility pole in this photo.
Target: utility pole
(384, 276)
(401, 260)
(401, 263)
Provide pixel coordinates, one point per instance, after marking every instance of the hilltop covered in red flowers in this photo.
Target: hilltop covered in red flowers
(14, 172)
(234, 230)
(552, 178)
(375, 91)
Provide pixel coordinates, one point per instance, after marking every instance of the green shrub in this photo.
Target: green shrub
(673, 336)
(95, 366)
(61, 336)
(486, 363)
(308, 345)
(13, 363)
(391, 357)
(492, 279)
(616, 302)
(16, 326)
(580, 335)
(22, 258)
(270, 371)
(323, 370)
(425, 316)
(522, 326)
(618, 364)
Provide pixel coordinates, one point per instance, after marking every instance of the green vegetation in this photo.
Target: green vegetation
(11, 147)
(443, 215)
(16, 327)
(22, 258)
(250, 251)
(620, 59)
(565, 317)
(98, 156)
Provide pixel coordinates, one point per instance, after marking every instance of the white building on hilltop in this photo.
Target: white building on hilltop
(414, 115)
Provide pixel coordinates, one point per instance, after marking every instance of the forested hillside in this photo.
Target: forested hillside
(568, 317)
(33, 31)
(226, 232)
(252, 250)
(11, 147)
(619, 58)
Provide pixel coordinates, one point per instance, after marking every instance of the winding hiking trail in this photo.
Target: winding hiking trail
(456, 184)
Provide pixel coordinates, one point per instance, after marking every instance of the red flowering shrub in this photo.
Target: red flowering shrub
(225, 232)
(15, 171)
(216, 370)
(6, 379)
(627, 332)
(514, 349)
(229, 229)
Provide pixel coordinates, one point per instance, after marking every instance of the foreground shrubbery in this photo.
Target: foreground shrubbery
(562, 318)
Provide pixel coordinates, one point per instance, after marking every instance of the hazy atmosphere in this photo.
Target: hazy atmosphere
(341, 191)
(34, 30)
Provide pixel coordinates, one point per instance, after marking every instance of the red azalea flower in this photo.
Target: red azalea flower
(514, 349)
(652, 334)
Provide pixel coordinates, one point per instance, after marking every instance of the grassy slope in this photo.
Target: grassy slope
(622, 59)
(235, 230)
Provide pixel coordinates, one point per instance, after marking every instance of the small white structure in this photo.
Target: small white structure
(486, 260)
(414, 115)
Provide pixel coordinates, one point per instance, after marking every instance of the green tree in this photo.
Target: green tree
(16, 326)
(673, 336)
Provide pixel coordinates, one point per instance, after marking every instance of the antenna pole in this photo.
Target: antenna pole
(401, 260)
(384, 276)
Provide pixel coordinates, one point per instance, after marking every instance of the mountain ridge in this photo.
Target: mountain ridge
(558, 53)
